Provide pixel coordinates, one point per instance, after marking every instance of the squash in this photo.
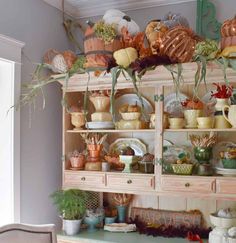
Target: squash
(179, 44)
(228, 33)
(125, 57)
(155, 30)
(120, 19)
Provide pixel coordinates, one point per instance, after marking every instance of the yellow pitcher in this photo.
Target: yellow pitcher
(231, 114)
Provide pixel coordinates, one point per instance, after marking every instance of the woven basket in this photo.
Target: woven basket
(97, 51)
(182, 169)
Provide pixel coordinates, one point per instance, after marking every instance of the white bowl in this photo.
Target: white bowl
(222, 222)
(128, 116)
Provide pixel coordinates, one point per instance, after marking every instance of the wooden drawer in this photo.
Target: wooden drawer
(188, 184)
(131, 182)
(84, 179)
(226, 186)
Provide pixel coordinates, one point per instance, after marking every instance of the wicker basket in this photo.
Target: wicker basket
(97, 51)
(182, 169)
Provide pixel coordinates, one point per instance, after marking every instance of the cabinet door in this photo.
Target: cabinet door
(133, 183)
(83, 179)
(226, 186)
(187, 184)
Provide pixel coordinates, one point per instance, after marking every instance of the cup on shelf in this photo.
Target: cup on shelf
(205, 122)
(191, 117)
(176, 122)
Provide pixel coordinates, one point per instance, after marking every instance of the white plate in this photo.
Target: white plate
(131, 99)
(172, 104)
(225, 172)
(139, 148)
(100, 125)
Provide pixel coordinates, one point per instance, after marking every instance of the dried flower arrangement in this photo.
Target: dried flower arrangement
(93, 138)
(107, 32)
(204, 141)
(121, 199)
(192, 104)
(222, 91)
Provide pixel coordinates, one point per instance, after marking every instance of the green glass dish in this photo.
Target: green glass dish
(229, 163)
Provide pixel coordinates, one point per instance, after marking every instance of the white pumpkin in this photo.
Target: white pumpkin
(120, 19)
(59, 64)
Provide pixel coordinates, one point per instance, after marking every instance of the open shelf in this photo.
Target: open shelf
(110, 131)
(201, 130)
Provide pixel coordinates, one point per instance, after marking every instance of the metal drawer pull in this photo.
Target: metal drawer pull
(129, 181)
(187, 184)
(82, 178)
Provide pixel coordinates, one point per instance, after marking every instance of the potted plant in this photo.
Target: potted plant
(193, 110)
(222, 95)
(71, 207)
(77, 160)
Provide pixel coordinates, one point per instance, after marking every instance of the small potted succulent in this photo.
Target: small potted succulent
(222, 95)
(193, 110)
(77, 160)
(71, 207)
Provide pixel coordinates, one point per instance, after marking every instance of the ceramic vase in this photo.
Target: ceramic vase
(191, 116)
(77, 120)
(231, 118)
(121, 213)
(202, 154)
(101, 103)
(220, 103)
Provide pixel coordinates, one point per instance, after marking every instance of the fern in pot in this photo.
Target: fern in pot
(71, 207)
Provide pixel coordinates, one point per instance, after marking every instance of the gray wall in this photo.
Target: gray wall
(39, 26)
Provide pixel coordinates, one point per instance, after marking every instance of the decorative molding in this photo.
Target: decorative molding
(11, 41)
(83, 9)
(207, 24)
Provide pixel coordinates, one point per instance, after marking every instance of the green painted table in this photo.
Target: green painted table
(101, 236)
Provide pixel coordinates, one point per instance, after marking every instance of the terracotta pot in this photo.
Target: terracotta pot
(94, 147)
(77, 161)
(94, 153)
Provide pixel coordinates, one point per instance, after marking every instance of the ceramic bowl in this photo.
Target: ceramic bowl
(101, 103)
(92, 222)
(110, 220)
(176, 123)
(129, 116)
(205, 122)
(222, 222)
(229, 163)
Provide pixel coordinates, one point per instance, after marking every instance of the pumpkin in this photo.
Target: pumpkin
(229, 51)
(229, 28)
(120, 19)
(155, 30)
(179, 44)
(125, 57)
(228, 33)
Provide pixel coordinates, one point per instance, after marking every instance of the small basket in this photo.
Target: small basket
(182, 169)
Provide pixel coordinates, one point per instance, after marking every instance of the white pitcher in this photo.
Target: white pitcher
(231, 114)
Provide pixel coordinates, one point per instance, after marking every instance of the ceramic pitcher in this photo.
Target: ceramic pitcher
(231, 114)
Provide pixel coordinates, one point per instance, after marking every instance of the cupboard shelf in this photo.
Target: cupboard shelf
(201, 130)
(111, 131)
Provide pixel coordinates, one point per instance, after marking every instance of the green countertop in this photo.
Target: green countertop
(101, 236)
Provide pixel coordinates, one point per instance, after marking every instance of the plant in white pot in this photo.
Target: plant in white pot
(71, 207)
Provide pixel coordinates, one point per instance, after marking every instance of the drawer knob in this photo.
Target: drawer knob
(129, 181)
(83, 179)
(187, 184)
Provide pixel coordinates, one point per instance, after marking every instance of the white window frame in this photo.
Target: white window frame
(10, 49)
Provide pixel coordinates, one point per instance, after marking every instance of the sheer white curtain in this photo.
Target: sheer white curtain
(10, 82)
(6, 142)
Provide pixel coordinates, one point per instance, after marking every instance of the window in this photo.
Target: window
(10, 66)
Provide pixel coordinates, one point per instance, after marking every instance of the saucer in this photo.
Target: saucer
(171, 127)
(203, 127)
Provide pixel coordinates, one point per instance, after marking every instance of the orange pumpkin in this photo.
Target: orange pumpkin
(228, 33)
(179, 44)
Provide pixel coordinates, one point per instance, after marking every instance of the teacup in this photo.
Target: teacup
(205, 122)
(176, 122)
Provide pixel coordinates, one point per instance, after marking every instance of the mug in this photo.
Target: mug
(205, 122)
(176, 122)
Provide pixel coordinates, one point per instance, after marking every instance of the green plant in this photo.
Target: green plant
(70, 203)
(107, 32)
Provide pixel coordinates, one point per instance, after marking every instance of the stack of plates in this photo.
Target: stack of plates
(100, 125)
(225, 172)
